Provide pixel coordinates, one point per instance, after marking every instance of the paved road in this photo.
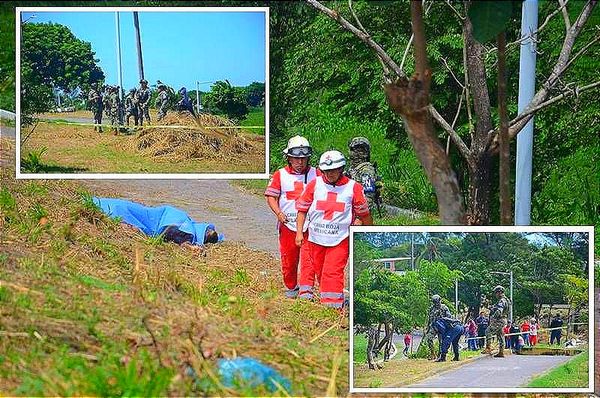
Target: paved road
(489, 372)
(7, 132)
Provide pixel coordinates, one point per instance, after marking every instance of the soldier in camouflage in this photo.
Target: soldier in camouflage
(362, 170)
(131, 107)
(162, 101)
(143, 101)
(436, 311)
(95, 103)
(498, 319)
(111, 107)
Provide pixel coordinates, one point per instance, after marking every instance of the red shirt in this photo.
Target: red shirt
(525, 327)
(407, 339)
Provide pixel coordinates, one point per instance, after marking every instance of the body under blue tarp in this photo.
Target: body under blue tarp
(154, 220)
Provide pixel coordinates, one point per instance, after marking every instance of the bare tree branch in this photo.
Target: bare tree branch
(584, 49)
(361, 35)
(559, 68)
(452, 73)
(532, 35)
(460, 144)
(386, 69)
(521, 120)
(460, 17)
(565, 14)
(412, 37)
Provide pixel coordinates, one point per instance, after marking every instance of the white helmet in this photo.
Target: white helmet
(332, 160)
(298, 147)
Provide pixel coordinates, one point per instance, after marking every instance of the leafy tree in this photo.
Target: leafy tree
(53, 58)
(436, 276)
(225, 98)
(255, 94)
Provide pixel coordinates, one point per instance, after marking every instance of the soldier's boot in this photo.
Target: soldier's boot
(442, 358)
(487, 350)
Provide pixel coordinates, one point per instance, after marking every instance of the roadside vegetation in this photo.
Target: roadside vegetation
(92, 307)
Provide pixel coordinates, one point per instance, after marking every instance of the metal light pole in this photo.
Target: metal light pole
(456, 296)
(119, 68)
(529, 24)
(197, 97)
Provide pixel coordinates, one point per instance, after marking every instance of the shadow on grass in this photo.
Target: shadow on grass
(42, 168)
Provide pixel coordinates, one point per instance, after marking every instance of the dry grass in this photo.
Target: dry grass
(88, 302)
(76, 149)
(203, 140)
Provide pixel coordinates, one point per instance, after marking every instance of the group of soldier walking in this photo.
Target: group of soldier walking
(135, 104)
(448, 329)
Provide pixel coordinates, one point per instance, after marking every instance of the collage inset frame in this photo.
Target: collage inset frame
(150, 176)
(475, 229)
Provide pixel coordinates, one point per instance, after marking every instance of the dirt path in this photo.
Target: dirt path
(242, 217)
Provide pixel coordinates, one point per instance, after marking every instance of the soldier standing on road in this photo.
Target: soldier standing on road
(498, 318)
(436, 311)
(362, 170)
(131, 106)
(162, 101)
(143, 100)
(95, 102)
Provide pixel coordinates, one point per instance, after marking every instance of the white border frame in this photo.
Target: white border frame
(471, 229)
(149, 176)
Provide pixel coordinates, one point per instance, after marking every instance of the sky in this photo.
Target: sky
(179, 48)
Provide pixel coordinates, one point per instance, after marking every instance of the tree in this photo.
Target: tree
(52, 58)
(255, 94)
(225, 98)
(409, 98)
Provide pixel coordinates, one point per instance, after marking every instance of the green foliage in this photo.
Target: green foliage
(7, 200)
(489, 18)
(52, 57)
(32, 163)
(571, 192)
(255, 94)
(224, 98)
(381, 296)
(437, 277)
(7, 59)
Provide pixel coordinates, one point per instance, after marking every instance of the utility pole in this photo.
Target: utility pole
(119, 68)
(456, 297)
(529, 25)
(138, 42)
(197, 97)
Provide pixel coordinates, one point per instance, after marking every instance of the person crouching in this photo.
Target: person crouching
(331, 202)
(283, 190)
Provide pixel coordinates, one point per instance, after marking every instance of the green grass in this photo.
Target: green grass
(255, 187)
(80, 298)
(256, 117)
(574, 373)
(360, 348)
(7, 122)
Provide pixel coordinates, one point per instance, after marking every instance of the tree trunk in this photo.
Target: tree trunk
(480, 184)
(410, 99)
(371, 333)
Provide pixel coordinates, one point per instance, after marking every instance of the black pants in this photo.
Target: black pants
(555, 334)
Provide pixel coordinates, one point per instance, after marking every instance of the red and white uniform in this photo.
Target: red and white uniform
(287, 186)
(330, 211)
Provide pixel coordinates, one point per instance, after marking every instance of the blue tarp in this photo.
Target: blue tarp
(153, 220)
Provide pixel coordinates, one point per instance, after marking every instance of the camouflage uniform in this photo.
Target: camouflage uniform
(362, 170)
(131, 107)
(111, 107)
(95, 101)
(143, 99)
(162, 102)
(435, 312)
(498, 319)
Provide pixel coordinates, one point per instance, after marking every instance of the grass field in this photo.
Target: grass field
(92, 307)
(78, 149)
(256, 117)
(574, 373)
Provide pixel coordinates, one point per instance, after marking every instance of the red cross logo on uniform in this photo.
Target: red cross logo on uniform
(330, 205)
(295, 194)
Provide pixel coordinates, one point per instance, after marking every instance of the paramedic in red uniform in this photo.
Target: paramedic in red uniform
(285, 187)
(331, 202)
